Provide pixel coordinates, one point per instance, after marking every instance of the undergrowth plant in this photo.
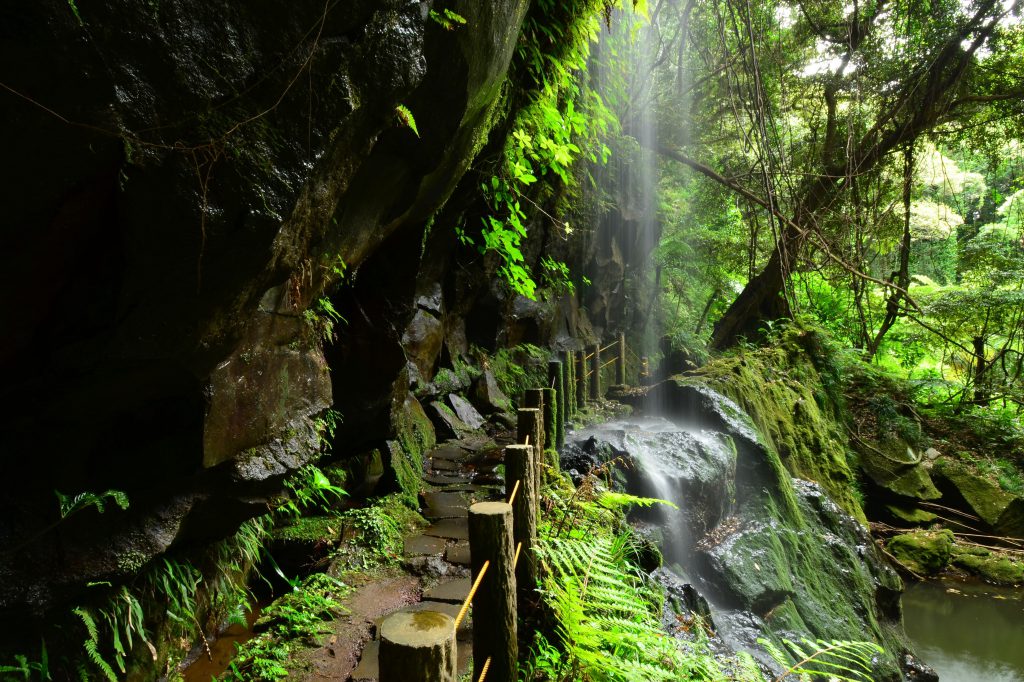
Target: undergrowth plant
(608, 618)
(310, 490)
(559, 121)
(302, 615)
(376, 529)
(832, 659)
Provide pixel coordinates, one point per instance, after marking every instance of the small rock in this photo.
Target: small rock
(430, 566)
(465, 411)
(932, 454)
(487, 396)
(446, 422)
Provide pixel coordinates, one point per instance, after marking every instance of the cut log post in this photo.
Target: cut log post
(581, 379)
(494, 606)
(595, 372)
(569, 392)
(556, 382)
(620, 361)
(418, 646)
(534, 397)
(519, 467)
(554, 428)
(529, 426)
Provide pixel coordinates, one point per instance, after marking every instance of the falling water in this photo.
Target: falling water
(685, 465)
(622, 72)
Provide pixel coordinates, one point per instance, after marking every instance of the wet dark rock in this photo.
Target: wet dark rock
(465, 411)
(487, 396)
(775, 553)
(198, 205)
(422, 343)
(916, 670)
(446, 422)
(682, 598)
(579, 457)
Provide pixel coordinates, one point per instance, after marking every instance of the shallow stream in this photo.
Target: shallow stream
(968, 632)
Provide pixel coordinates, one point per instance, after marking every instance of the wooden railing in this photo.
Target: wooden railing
(422, 646)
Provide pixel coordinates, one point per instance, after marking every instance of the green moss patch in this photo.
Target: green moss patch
(989, 565)
(784, 394)
(924, 552)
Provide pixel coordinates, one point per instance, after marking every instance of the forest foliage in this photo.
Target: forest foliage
(858, 167)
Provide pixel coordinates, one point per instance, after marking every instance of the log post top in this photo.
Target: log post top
(418, 629)
(491, 508)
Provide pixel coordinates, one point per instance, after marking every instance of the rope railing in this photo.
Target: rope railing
(483, 672)
(512, 497)
(472, 593)
(610, 345)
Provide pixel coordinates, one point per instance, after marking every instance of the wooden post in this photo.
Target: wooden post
(554, 429)
(534, 397)
(595, 372)
(418, 646)
(569, 374)
(494, 607)
(620, 361)
(529, 425)
(519, 466)
(556, 381)
(581, 379)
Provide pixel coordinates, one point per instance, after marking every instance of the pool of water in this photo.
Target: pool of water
(967, 632)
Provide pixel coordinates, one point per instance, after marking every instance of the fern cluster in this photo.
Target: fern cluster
(608, 617)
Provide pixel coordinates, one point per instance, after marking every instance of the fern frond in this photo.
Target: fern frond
(613, 500)
(94, 655)
(849, 661)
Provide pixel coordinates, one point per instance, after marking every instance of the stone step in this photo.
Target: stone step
(452, 591)
(446, 480)
(458, 554)
(369, 667)
(452, 529)
(421, 545)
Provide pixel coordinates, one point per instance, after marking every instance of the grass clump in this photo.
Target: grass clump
(300, 617)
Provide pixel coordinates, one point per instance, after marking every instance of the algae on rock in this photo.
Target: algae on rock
(776, 387)
(923, 552)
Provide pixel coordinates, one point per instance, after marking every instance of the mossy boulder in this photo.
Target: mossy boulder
(924, 552)
(823, 579)
(910, 514)
(990, 565)
(404, 454)
(895, 467)
(782, 392)
(1000, 510)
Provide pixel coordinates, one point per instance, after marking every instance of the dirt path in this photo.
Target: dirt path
(435, 565)
(339, 656)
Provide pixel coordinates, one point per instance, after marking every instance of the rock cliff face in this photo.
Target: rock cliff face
(183, 181)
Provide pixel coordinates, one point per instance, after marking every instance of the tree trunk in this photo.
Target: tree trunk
(981, 396)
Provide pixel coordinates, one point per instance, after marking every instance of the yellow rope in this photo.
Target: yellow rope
(516, 559)
(483, 671)
(472, 592)
(608, 363)
(515, 489)
(613, 343)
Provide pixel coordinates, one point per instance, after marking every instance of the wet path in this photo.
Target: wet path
(456, 474)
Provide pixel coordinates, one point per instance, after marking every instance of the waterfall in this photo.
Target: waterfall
(686, 465)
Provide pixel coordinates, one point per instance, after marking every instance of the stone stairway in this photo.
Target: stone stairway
(456, 474)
